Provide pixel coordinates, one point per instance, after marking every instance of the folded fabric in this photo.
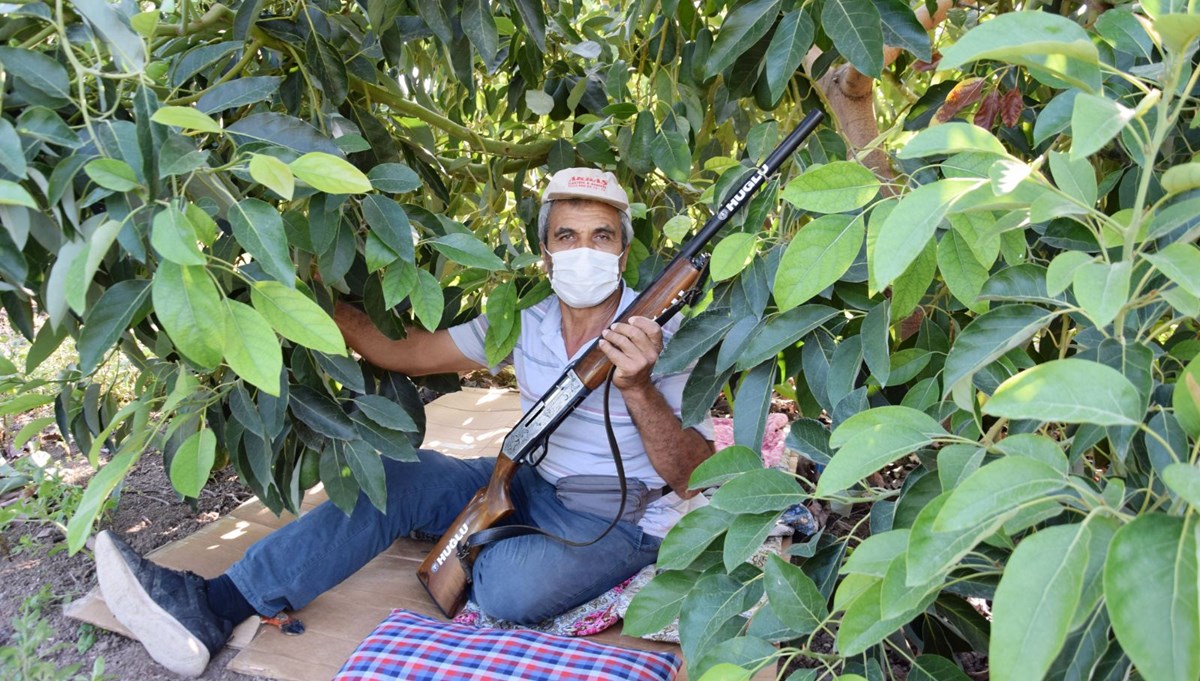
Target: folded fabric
(587, 619)
(417, 648)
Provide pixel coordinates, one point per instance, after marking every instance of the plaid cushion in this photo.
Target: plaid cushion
(417, 648)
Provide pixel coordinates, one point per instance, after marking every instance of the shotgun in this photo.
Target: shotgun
(445, 572)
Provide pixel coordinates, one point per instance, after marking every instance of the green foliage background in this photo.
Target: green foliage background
(1006, 305)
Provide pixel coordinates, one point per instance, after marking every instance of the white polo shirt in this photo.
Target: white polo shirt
(579, 446)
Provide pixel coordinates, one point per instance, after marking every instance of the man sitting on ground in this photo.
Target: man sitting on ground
(585, 229)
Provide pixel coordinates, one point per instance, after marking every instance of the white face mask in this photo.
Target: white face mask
(584, 277)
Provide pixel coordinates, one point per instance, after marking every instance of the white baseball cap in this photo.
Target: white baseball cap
(587, 183)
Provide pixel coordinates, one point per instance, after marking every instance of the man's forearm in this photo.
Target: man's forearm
(420, 353)
(674, 451)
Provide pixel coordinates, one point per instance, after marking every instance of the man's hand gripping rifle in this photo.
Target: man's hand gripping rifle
(445, 571)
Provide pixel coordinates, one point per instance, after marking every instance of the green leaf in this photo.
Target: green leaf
(398, 283)
(745, 537)
(964, 274)
(386, 413)
(389, 223)
(759, 491)
(876, 553)
(174, 238)
(258, 227)
(338, 479)
(901, 28)
(321, 413)
(251, 348)
(427, 300)
(368, 471)
(1181, 263)
(40, 72)
(286, 131)
(238, 92)
(786, 52)
(393, 444)
(125, 46)
(1075, 176)
(876, 341)
(504, 325)
(996, 490)
(731, 255)
(742, 28)
(108, 318)
(1045, 43)
(467, 250)
(864, 625)
(84, 268)
(79, 527)
(1101, 118)
(988, 337)
(932, 552)
(866, 452)
(534, 18)
(539, 102)
(671, 152)
(1184, 480)
(1185, 397)
(297, 318)
(1035, 601)
(783, 330)
(709, 614)
(935, 668)
(394, 178)
(193, 462)
(726, 671)
(188, 304)
(1178, 31)
(657, 605)
(951, 138)
(724, 466)
(688, 538)
(857, 33)
(185, 117)
(328, 67)
(1102, 289)
(695, 337)
(911, 225)
(273, 174)
(24, 403)
(12, 155)
(1062, 270)
(1068, 391)
(1150, 591)
(837, 187)
(330, 174)
(111, 173)
(892, 416)
(480, 27)
(793, 596)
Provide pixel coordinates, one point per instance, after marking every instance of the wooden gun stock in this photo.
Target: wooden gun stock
(443, 574)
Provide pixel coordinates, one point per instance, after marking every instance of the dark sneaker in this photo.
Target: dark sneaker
(166, 610)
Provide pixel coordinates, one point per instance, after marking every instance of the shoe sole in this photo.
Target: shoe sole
(163, 636)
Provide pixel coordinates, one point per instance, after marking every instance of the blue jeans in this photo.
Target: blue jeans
(525, 579)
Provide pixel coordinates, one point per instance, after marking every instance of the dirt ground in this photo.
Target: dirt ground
(148, 514)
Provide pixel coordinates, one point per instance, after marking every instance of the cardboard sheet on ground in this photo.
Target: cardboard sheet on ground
(465, 424)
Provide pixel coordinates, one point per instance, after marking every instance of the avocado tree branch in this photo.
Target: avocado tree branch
(850, 95)
(398, 104)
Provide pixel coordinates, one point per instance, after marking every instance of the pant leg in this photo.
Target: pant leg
(307, 557)
(531, 578)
